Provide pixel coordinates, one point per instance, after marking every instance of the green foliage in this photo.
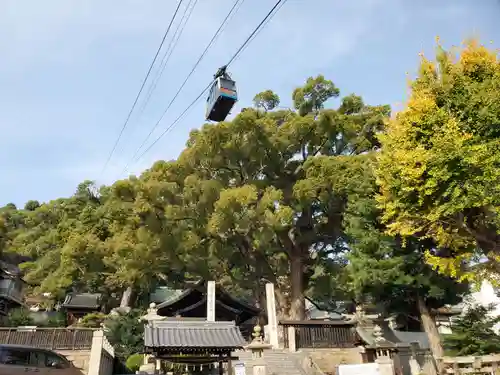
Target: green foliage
(93, 320)
(125, 333)
(31, 205)
(134, 362)
(274, 195)
(245, 203)
(473, 333)
(393, 272)
(57, 320)
(439, 169)
(19, 317)
(313, 95)
(267, 100)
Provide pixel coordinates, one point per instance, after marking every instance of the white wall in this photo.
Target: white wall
(486, 296)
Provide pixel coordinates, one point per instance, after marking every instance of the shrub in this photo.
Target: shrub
(134, 362)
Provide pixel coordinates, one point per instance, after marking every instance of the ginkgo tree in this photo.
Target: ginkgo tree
(439, 169)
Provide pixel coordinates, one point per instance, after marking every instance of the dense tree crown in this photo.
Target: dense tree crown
(246, 202)
(439, 169)
(326, 201)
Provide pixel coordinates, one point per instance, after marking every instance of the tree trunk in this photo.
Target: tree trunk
(126, 297)
(298, 306)
(282, 304)
(429, 325)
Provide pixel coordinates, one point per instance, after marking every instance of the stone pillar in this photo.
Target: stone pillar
(385, 365)
(211, 301)
(413, 362)
(96, 352)
(272, 323)
(292, 345)
(384, 360)
(257, 347)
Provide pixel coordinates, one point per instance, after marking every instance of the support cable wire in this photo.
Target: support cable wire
(168, 53)
(276, 10)
(124, 126)
(250, 38)
(232, 11)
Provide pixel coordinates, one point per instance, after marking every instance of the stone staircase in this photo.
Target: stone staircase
(278, 362)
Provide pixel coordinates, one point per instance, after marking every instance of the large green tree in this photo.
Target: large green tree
(245, 203)
(392, 272)
(439, 169)
(266, 213)
(65, 240)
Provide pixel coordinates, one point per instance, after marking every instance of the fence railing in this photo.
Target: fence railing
(486, 364)
(319, 334)
(48, 338)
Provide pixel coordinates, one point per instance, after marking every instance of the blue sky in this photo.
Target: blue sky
(70, 69)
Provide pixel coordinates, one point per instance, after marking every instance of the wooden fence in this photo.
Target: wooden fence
(49, 338)
(320, 334)
(486, 364)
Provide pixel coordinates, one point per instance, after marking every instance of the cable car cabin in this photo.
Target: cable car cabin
(221, 99)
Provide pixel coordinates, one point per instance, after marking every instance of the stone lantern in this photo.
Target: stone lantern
(150, 318)
(152, 314)
(257, 347)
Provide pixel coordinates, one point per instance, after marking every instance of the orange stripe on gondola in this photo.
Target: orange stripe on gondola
(227, 91)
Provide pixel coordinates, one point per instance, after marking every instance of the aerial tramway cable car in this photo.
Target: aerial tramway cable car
(222, 96)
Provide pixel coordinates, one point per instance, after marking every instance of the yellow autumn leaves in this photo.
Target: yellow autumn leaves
(439, 169)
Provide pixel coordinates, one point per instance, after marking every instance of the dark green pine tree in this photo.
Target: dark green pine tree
(473, 334)
(392, 272)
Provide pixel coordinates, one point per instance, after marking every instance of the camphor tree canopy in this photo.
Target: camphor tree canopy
(245, 203)
(248, 196)
(439, 169)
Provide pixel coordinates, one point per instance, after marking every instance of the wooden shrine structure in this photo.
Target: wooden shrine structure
(77, 305)
(208, 300)
(194, 343)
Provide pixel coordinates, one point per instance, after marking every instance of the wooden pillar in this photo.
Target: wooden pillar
(229, 365)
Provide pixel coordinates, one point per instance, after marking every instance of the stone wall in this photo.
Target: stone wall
(328, 359)
(80, 358)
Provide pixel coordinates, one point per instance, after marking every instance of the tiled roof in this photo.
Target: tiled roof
(193, 334)
(162, 294)
(82, 300)
(411, 337)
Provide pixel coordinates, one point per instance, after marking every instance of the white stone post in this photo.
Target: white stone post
(272, 323)
(211, 301)
(292, 345)
(95, 352)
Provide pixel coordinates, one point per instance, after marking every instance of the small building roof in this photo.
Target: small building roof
(316, 312)
(413, 337)
(178, 334)
(82, 301)
(192, 302)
